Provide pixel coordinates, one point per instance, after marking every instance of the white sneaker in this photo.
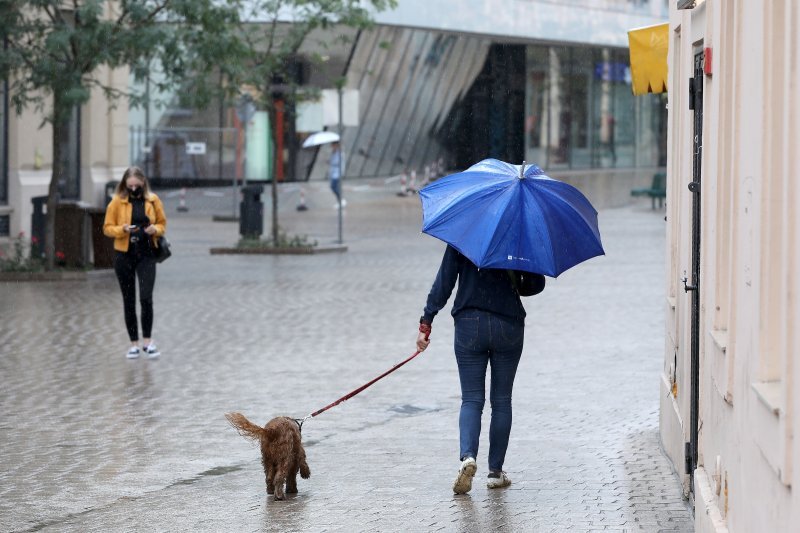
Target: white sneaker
(133, 353)
(151, 350)
(463, 482)
(498, 480)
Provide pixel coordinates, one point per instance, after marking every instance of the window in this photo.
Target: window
(536, 105)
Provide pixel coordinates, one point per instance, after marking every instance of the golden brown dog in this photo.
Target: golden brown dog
(282, 453)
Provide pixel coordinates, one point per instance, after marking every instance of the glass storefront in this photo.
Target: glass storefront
(434, 100)
(581, 113)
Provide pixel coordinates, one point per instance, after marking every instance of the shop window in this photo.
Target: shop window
(536, 107)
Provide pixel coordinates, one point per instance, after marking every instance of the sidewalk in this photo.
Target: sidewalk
(94, 442)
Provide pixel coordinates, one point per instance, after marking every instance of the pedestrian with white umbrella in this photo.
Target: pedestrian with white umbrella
(335, 166)
(335, 162)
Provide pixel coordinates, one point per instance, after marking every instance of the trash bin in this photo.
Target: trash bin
(38, 223)
(251, 212)
(102, 246)
(72, 244)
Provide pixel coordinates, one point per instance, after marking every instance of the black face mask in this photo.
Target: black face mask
(135, 193)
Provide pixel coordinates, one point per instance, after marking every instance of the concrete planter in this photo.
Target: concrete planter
(294, 250)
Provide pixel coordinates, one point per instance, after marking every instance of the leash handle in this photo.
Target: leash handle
(361, 388)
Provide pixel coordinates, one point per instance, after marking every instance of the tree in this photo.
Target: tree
(273, 31)
(54, 49)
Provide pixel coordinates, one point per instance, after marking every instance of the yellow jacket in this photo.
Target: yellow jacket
(119, 212)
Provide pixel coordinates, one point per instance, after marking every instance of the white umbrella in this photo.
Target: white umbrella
(321, 137)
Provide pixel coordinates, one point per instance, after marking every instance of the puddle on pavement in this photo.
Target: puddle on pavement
(410, 409)
(216, 471)
(221, 470)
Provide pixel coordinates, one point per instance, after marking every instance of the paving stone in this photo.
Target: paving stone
(94, 442)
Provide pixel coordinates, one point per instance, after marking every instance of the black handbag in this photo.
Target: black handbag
(526, 283)
(163, 252)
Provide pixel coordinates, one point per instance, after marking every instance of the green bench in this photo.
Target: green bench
(657, 191)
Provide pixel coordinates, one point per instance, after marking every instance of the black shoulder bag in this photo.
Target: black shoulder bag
(163, 252)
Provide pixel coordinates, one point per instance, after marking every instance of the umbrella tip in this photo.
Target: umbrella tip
(522, 170)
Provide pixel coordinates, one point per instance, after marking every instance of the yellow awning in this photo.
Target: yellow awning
(648, 48)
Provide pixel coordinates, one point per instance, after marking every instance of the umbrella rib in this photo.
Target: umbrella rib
(542, 210)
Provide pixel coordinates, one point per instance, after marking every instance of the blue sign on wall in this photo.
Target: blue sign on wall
(608, 71)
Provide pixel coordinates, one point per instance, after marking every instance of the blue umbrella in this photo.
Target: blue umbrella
(501, 216)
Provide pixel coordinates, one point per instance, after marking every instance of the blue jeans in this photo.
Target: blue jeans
(484, 338)
(336, 187)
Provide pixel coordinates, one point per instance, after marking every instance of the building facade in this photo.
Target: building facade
(440, 85)
(728, 405)
(450, 83)
(97, 148)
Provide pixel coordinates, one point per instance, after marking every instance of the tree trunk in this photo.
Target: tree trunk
(60, 139)
(272, 117)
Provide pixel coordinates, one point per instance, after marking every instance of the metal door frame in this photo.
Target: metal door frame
(696, 104)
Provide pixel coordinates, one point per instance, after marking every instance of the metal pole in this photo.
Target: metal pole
(341, 165)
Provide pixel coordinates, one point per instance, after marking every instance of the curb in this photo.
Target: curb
(297, 250)
(43, 276)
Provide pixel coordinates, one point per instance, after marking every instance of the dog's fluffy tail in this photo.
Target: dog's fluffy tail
(245, 428)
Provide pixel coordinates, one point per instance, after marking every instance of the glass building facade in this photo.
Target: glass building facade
(430, 99)
(433, 98)
(580, 111)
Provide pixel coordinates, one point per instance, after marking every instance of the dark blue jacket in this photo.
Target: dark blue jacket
(485, 289)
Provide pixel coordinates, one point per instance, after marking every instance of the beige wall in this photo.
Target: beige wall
(104, 152)
(749, 263)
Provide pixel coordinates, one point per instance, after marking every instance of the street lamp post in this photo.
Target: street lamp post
(341, 164)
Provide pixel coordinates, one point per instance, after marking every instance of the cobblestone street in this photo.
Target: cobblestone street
(94, 442)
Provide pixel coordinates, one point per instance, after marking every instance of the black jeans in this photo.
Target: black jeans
(127, 267)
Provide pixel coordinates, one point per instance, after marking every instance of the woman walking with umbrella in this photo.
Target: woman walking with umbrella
(505, 226)
(490, 324)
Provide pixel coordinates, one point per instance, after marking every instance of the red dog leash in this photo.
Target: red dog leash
(424, 328)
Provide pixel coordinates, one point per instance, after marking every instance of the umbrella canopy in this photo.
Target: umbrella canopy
(512, 217)
(321, 137)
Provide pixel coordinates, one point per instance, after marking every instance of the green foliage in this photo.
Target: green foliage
(56, 48)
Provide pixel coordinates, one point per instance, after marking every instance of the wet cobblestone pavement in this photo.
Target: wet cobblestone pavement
(94, 442)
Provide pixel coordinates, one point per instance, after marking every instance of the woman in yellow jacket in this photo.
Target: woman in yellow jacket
(135, 219)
